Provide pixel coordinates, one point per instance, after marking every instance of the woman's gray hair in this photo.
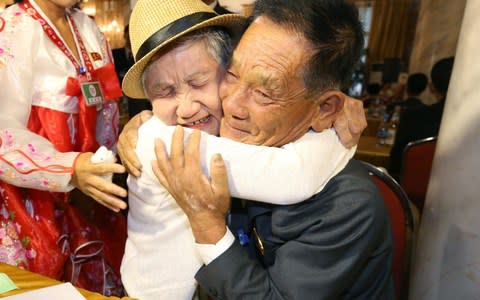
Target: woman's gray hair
(218, 41)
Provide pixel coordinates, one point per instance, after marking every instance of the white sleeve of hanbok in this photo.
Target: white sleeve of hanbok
(26, 159)
(285, 175)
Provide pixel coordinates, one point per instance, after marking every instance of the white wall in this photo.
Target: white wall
(436, 36)
(447, 263)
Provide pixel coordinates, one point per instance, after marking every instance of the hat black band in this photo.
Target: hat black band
(172, 30)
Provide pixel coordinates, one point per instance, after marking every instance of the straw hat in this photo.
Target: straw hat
(155, 23)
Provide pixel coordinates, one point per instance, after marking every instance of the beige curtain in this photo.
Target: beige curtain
(390, 29)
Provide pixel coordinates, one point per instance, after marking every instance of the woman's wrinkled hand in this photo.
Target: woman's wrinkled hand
(351, 122)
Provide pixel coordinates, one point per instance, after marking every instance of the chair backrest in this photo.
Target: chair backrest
(417, 159)
(402, 223)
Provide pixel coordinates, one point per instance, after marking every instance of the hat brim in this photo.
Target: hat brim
(132, 85)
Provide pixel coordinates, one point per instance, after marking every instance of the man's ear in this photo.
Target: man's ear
(329, 104)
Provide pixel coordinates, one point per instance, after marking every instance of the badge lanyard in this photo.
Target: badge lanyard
(50, 32)
(91, 89)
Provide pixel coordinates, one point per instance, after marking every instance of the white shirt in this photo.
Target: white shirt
(161, 258)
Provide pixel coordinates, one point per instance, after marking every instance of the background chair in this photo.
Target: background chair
(417, 162)
(402, 223)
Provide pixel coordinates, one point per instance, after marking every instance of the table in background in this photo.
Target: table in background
(28, 281)
(370, 151)
(372, 126)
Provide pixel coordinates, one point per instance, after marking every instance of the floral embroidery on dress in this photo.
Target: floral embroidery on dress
(25, 160)
(8, 138)
(7, 26)
(11, 249)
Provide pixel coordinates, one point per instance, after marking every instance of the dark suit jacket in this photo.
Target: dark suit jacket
(412, 103)
(407, 104)
(335, 245)
(414, 124)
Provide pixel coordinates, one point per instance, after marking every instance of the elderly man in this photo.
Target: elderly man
(180, 74)
(282, 81)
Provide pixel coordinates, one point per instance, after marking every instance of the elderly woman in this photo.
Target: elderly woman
(181, 50)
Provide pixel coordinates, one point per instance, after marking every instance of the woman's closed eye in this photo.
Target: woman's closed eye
(197, 83)
(164, 93)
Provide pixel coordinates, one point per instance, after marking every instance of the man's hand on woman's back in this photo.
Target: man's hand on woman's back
(351, 122)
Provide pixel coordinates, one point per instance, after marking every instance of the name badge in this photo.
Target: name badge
(92, 92)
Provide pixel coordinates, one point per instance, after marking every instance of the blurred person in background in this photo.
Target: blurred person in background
(123, 57)
(123, 60)
(59, 103)
(423, 122)
(416, 85)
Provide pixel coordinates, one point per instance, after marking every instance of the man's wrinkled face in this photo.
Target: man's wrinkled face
(263, 95)
(182, 85)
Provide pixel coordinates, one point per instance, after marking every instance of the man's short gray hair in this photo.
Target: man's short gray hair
(218, 41)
